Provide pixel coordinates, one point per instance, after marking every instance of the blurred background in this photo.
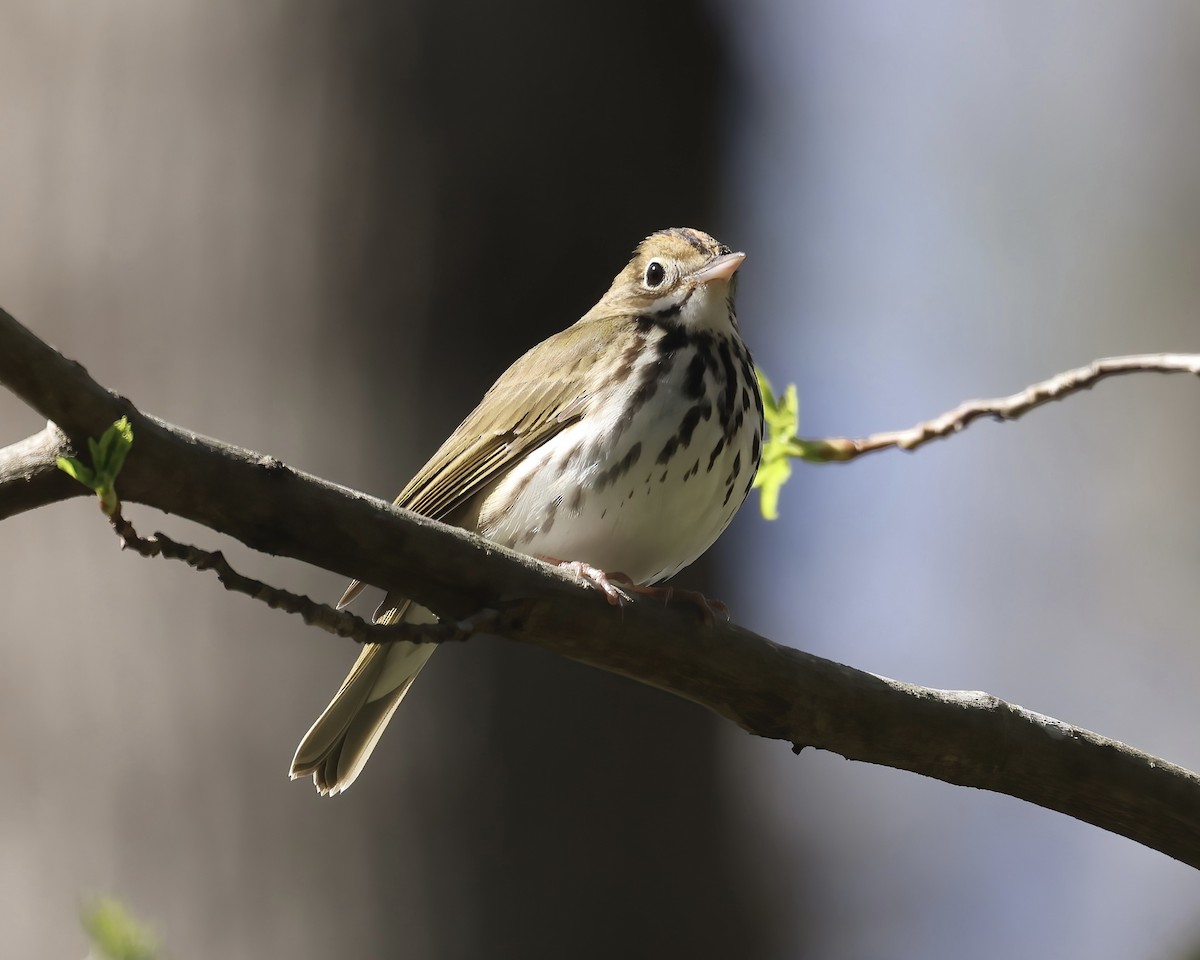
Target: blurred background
(320, 230)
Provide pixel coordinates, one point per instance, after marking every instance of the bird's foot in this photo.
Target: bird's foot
(597, 578)
(709, 609)
(606, 583)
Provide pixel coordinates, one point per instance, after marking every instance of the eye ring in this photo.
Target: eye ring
(656, 273)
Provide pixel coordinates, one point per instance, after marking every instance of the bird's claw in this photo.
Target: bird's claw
(598, 579)
(617, 596)
(709, 609)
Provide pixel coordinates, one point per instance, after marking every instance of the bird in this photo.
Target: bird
(620, 447)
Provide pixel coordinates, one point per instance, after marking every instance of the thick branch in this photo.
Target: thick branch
(769, 690)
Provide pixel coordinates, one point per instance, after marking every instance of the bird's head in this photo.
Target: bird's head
(678, 276)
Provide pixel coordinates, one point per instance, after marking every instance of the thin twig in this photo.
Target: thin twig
(338, 622)
(1058, 387)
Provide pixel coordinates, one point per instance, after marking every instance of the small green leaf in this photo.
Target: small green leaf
(779, 446)
(108, 457)
(115, 445)
(77, 471)
(115, 934)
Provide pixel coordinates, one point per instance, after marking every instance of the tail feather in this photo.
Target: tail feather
(338, 745)
(352, 591)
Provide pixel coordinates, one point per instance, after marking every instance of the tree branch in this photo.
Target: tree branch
(966, 738)
(1004, 409)
(29, 477)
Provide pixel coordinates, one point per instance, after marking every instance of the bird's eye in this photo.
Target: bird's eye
(656, 273)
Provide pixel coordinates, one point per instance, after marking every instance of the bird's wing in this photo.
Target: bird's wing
(541, 394)
(538, 396)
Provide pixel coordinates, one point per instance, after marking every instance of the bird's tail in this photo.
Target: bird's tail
(338, 745)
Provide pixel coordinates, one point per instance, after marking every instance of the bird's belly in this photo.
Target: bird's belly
(618, 502)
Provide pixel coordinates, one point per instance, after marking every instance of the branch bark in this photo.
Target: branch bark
(961, 737)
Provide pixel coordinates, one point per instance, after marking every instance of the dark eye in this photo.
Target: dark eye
(655, 274)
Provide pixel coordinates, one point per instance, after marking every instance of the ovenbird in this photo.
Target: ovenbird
(624, 443)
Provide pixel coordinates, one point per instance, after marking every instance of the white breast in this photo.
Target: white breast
(605, 490)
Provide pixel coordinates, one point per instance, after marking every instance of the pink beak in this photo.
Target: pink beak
(720, 269)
